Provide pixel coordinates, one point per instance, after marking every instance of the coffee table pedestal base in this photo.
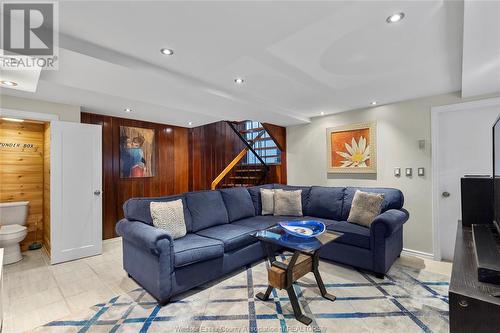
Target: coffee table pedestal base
(282, 275)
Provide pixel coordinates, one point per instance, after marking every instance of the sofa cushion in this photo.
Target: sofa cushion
(365, 208)
(238, 203)
(169, 216)
(232, 235)
(193, 248)
(255, 194)
(327, 222)
(207, 209)
(260, 222)
(353, 234)
(393, 198)
(267, 201)
(138, 209)
(305, 195)
(287, 203)
(326, 202)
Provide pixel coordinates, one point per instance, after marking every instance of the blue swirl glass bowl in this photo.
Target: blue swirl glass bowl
(303, 229)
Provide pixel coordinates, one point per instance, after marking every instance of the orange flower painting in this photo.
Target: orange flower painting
(351, 149)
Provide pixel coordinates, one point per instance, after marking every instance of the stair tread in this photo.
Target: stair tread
(265, 148)
(262, 139)
(244, 177)
(250, 130)
(237, 185)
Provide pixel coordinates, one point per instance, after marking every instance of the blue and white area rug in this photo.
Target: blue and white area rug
(407, 300)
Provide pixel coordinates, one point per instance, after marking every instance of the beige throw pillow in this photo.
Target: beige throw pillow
(365, 208)
(288, 203)
(267, 200)
(169, 216)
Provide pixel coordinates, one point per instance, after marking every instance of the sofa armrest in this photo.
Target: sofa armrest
(152, 239)
(390, 220)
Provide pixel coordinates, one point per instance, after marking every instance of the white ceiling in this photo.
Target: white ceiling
(26, 79)
(297, 58)
(481, 56)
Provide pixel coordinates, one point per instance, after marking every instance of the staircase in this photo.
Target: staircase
(245, 175)
(251, 166)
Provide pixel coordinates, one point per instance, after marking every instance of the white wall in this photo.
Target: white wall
(64, 111)
(457, 155)
(399, 128)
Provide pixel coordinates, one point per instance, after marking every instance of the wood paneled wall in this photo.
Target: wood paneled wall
(172, 166)
(21, 172)
(213, 146)
(187, 160)
(277, 173)
(46, 187)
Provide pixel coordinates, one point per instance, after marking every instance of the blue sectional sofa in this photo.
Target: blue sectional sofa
(220, 223)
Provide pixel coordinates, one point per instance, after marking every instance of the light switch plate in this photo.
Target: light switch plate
(421, 172)
(397, 172)
(408, 172)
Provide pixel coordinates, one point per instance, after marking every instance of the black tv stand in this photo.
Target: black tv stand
(474, 306)
(487, 254)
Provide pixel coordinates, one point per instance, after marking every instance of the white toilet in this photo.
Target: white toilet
(12, 229)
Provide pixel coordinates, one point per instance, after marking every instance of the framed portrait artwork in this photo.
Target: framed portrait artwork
(137, 152)
(352, 148)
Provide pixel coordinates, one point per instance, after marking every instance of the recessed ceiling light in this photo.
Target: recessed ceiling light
(395, 18)
(322, 113)
(190, 123)
(167, 51)
(8, 83)
(239, 80)
(128, 110)
(374, 103)
(14, 119)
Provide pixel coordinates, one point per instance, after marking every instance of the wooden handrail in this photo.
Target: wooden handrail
(228, 168)
(235, 161)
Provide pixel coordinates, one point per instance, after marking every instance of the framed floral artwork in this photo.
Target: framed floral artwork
(352, 148)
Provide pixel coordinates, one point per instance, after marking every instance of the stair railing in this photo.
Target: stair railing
(250, 143)
(239, 157)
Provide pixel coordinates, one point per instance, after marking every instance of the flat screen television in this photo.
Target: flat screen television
(496, 175)
(485, 244)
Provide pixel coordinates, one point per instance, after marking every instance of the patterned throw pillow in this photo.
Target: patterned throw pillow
(267, 199)
(365, 208)
(287, 203)
(169, 216)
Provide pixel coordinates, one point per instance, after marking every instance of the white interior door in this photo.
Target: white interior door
(76, 200)
(464, 146)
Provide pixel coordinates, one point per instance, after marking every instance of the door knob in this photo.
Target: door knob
(445, 194)
(97, 192)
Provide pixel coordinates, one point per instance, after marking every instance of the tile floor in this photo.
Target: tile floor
(36, 293)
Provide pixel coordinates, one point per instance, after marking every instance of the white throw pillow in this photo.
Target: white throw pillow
(169, 216)
(365, 208)
(287, 203)
(267, 200)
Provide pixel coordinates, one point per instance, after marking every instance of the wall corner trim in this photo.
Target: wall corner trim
(419, 254)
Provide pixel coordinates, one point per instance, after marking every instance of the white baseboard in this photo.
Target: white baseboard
(415, 253)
